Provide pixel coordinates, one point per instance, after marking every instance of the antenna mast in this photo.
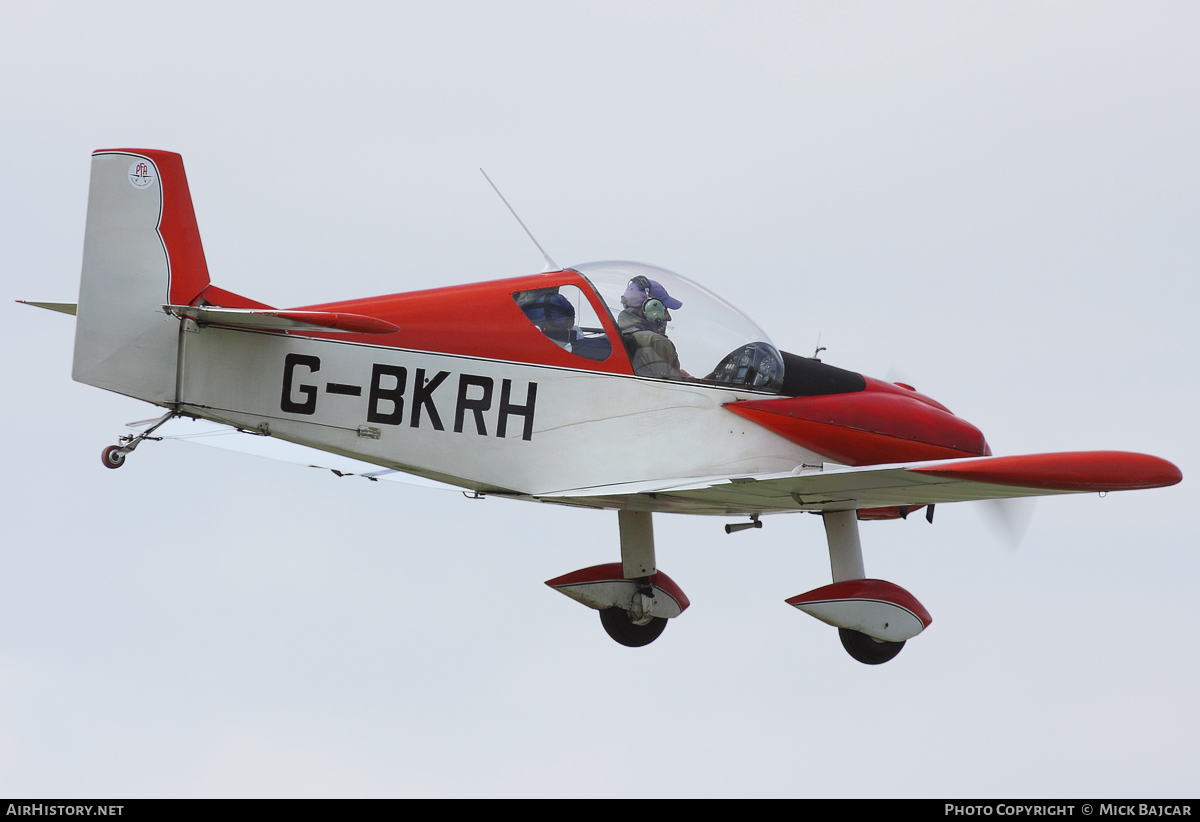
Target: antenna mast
(550, 264)
(817, 354)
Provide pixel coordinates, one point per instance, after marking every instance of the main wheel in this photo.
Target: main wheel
(868, 650)
(113, 457)
(617, 623)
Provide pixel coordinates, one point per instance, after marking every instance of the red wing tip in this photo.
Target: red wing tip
(1072, 471)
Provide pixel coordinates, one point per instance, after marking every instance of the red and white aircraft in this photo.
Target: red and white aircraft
(565, 386)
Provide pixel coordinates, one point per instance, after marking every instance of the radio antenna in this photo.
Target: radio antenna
(550, 264)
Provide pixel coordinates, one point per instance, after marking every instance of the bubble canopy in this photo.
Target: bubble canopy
(714, 340)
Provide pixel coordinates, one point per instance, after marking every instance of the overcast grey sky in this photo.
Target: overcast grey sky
(996, 202)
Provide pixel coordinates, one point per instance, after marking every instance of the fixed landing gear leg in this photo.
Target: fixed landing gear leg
(846, 563)
(845, 549)
(637, 626)
(634, 598)
(114, 455)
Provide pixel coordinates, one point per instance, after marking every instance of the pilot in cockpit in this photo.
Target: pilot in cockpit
(643, 327)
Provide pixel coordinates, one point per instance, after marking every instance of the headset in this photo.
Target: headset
(652, 310)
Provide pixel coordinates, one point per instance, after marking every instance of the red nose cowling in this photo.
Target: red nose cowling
(882, 424)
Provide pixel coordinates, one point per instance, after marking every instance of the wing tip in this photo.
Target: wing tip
(1072, 471)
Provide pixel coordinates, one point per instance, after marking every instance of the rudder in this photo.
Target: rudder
(141, 250)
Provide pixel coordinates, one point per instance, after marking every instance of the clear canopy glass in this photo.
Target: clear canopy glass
(713, 340)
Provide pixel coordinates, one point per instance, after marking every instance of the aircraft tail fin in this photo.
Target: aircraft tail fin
(141, 251)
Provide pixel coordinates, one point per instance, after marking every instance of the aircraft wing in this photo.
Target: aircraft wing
(228, 438)
(828, 487)
(834, 487)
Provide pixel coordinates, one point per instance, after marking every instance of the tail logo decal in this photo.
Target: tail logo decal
(141, 174)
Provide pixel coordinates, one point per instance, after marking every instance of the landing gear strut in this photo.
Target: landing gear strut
(634, 598)
(846, 562)
(874, 618)
(635, 627)
(114, 455)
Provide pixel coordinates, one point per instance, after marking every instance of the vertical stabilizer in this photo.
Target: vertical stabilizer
(141, 250)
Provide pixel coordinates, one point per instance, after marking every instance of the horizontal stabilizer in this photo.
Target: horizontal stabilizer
(282, 319)
(62, 308)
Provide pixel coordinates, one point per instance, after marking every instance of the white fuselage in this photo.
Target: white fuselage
(560, 428)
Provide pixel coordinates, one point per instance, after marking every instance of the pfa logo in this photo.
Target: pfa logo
(141, 174)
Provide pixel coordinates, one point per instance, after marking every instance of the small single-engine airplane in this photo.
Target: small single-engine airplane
(566, 386)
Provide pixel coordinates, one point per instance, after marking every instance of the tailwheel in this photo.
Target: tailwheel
(867, 649)
(620, 626)
(113, 456)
